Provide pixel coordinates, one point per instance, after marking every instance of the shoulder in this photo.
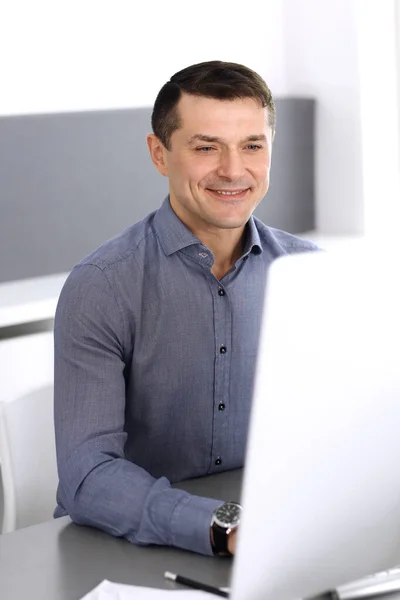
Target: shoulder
(281, 242)
(122, 248)
(98, 279)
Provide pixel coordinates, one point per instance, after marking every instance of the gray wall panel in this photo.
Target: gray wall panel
(70, 181)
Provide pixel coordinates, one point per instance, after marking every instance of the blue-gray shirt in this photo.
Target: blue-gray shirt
(154, 368)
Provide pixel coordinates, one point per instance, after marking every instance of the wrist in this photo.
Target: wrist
(223, 528)
(232, 541)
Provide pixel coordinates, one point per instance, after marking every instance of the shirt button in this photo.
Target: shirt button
(221, 406)
(221, 292)
(222, 350)
(218, 461)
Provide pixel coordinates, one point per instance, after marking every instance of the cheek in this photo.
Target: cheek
(259, 167)
(262, 175)
(263, 180)
(185, 169)
(198, 172)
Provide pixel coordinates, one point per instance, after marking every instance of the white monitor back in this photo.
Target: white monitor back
(321, 491)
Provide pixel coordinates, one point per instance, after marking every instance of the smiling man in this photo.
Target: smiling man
(156, 331)
(218, 163)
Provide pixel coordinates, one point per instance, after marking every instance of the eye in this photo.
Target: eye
(253, 147)
(204, 149)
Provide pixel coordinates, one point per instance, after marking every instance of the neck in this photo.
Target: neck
(227, 245)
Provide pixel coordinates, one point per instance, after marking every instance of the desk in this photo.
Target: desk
(59, 560)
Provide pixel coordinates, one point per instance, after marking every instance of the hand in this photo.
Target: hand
(232, 541)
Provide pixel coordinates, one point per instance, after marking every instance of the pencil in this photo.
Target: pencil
(197, 585)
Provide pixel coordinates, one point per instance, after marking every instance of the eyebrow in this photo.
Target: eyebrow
(199, 137)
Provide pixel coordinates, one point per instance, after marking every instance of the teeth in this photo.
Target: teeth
(229, 193)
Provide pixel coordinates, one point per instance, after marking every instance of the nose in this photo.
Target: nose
(231, 165)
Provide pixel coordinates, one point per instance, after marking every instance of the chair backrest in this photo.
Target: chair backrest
(28, 459)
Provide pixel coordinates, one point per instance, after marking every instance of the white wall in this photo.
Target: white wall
(321, 61)
(343, 53)
(378, 61)
(61, 55)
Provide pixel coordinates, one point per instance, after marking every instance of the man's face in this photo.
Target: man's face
(218, 162)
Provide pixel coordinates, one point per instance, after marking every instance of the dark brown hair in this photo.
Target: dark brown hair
(213, 79)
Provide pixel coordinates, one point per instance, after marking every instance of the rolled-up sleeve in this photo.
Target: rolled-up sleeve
(98, 486)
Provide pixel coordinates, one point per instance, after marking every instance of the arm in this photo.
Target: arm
(98, 486)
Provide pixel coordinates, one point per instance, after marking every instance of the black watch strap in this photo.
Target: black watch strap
(220, 540)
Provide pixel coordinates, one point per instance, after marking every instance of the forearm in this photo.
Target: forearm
(124, 500)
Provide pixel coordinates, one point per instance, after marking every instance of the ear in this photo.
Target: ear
(158, 153)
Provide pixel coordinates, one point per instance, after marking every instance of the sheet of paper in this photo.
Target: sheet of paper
(108, 590)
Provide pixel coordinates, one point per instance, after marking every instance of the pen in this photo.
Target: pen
(329, 595)
(197, 585)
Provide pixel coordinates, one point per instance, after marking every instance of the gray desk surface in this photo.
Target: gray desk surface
(59, 560)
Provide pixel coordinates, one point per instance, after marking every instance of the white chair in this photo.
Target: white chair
(28, 459)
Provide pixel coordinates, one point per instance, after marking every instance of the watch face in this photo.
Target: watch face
(228, 514)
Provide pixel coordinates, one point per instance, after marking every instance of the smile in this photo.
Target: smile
(229, 194)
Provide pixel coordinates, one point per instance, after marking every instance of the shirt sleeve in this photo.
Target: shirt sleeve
(97, 485)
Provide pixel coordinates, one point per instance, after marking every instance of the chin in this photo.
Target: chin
(234, 218)
(231, 214)
(232, 223)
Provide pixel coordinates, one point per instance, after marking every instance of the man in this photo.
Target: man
(156, 331)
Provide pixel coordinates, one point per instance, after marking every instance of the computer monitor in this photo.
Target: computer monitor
(321, 490)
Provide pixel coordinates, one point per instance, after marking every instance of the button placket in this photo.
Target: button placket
(221, 390)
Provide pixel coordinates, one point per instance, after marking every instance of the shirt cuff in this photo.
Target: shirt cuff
(191, 522)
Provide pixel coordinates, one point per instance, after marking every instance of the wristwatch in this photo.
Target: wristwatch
(225, 519)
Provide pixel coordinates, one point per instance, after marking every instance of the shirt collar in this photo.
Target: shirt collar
(253, 242)
(174, 235)
(171, 232)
